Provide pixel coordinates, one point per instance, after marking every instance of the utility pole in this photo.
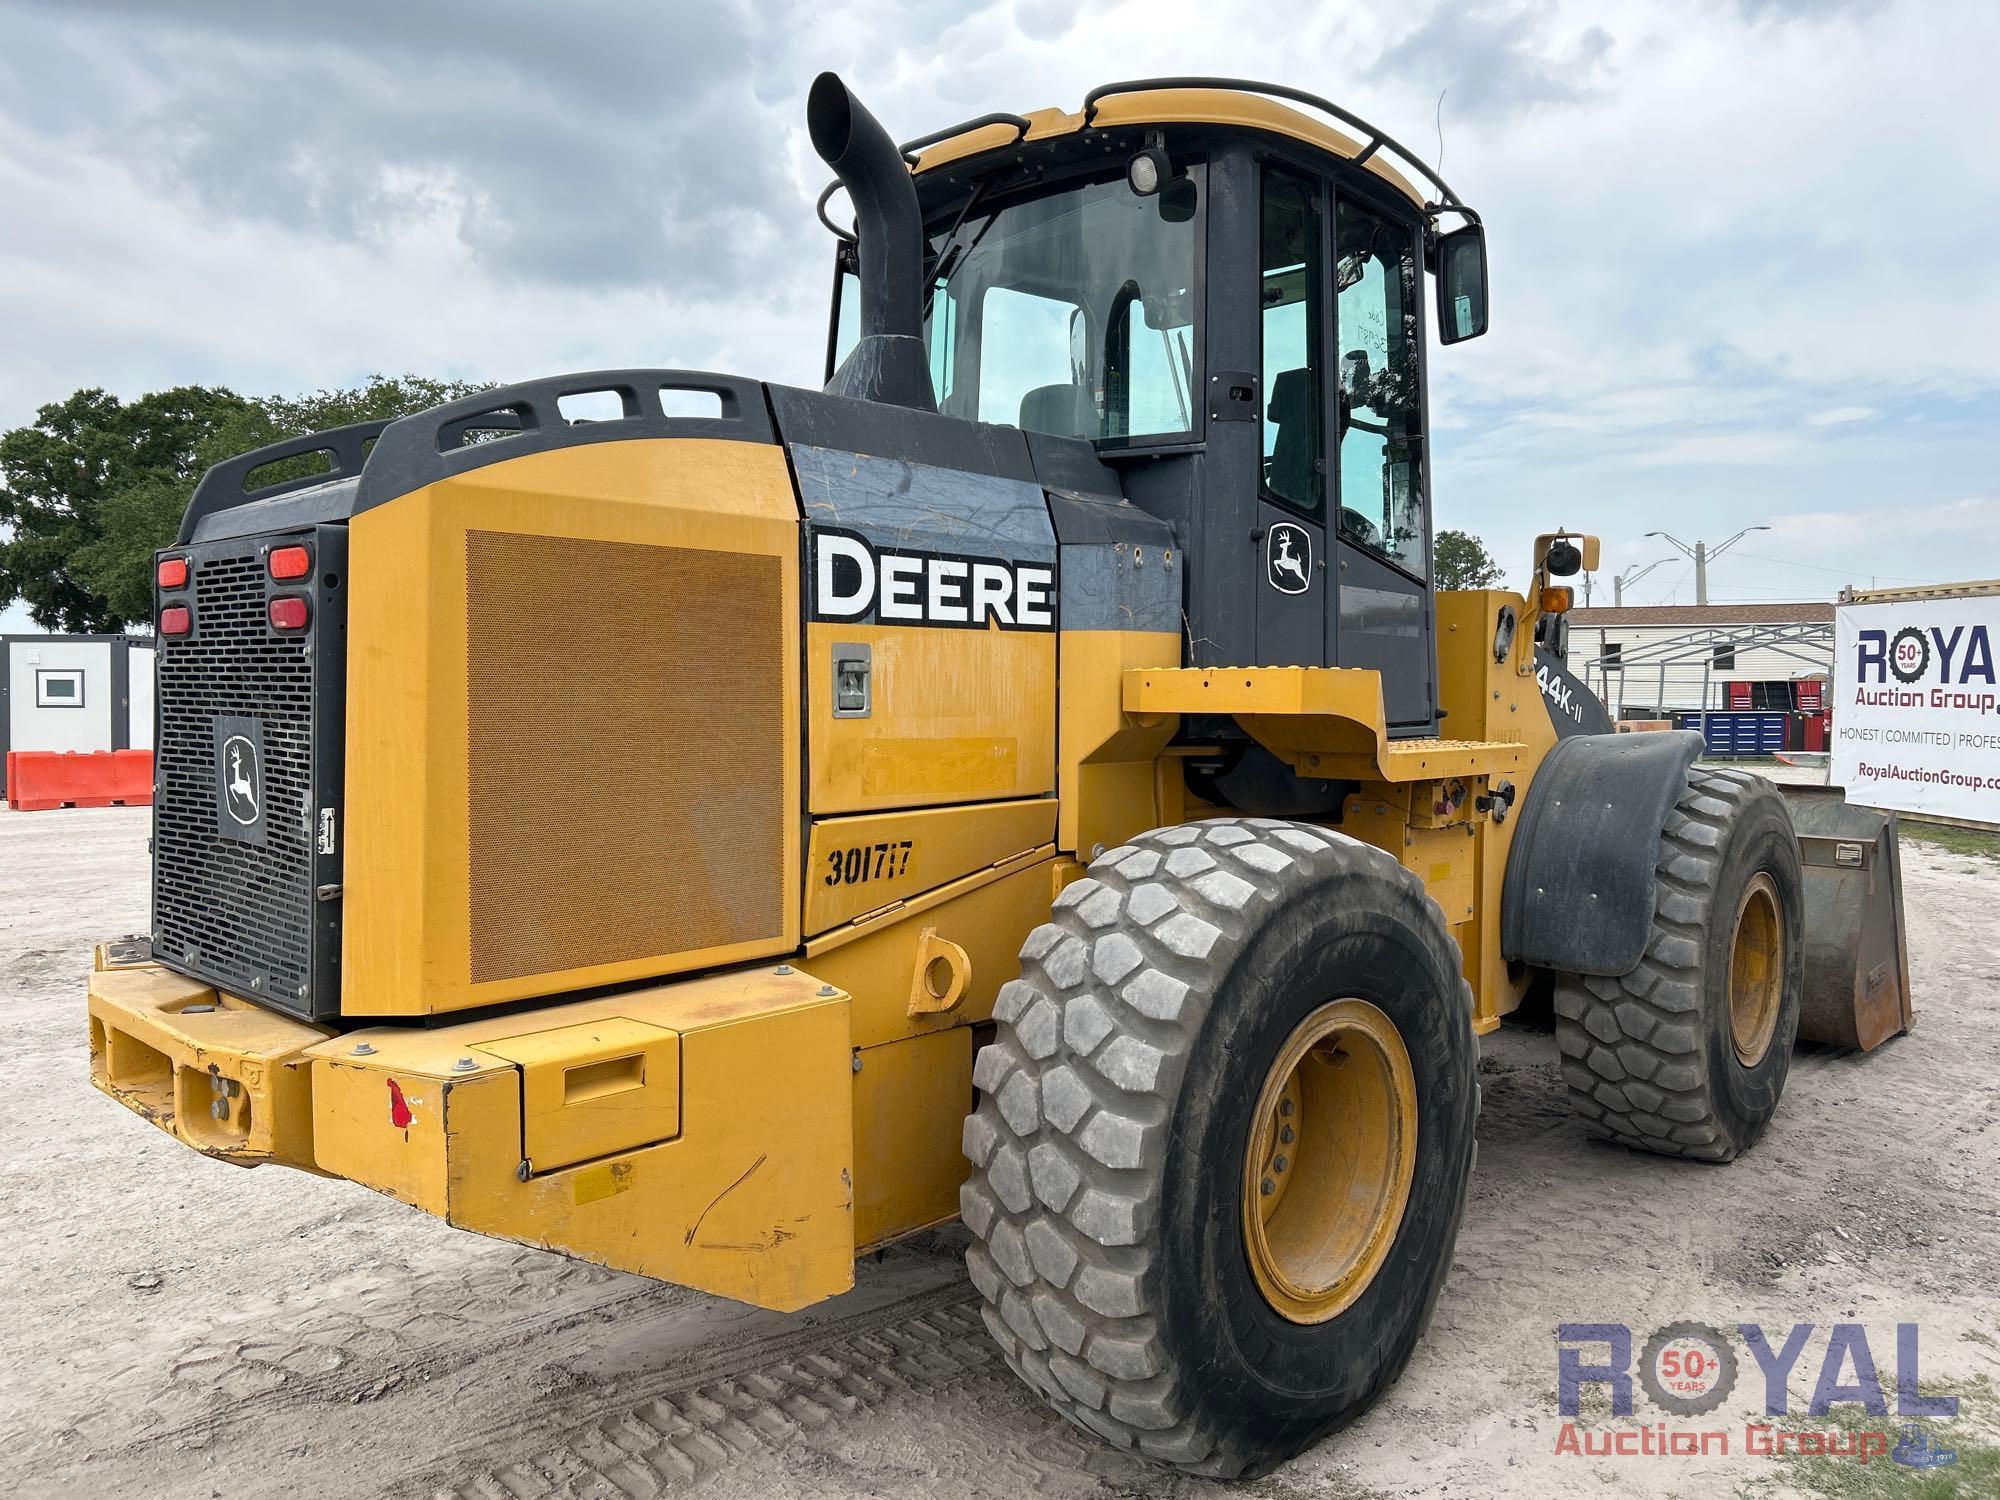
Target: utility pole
(1702, 556)
(1631, 575)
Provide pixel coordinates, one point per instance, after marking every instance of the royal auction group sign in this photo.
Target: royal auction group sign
(1916, 706)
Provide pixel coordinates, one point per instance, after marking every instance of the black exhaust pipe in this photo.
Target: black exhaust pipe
(889, 363)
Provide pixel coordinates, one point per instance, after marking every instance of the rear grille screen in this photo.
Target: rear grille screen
(627, 751)
(234, 911)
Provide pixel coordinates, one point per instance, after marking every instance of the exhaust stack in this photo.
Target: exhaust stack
(889, 364)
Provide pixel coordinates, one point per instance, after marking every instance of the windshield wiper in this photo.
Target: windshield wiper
(1182, 371)
(953, 252)
(953, 257)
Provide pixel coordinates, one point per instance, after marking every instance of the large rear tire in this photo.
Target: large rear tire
(1224, 1038)
(1687, 1054)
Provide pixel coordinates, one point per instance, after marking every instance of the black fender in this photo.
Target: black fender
(1578, 893)
(1573, 708)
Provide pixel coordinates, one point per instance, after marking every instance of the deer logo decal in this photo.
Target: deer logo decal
(240, 794)
(1288, 558)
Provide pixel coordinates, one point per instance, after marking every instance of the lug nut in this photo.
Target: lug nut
(1280, 1163)
(1284, 1106)
(1270, 1187)
(1286, 1136)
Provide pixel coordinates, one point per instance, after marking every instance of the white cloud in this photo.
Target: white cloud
(1836, 416)
(1721, 448)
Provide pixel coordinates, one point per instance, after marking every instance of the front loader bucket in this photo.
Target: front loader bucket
(1857, 982)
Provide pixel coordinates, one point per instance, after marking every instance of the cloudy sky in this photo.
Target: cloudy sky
(1743, 251)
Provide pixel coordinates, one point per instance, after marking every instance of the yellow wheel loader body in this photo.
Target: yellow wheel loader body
(716, 846)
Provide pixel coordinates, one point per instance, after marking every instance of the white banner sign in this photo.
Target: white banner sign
(1916, 706)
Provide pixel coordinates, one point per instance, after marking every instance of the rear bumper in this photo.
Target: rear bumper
(698, 1132)
(229, 1078)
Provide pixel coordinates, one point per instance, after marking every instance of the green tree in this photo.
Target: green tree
(60, 476)
(1459, 560)
(94, 488)
(275, 418)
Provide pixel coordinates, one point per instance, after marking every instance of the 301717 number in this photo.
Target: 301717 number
(866, 862)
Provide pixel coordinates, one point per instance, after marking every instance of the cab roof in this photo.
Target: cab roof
(1235, 103)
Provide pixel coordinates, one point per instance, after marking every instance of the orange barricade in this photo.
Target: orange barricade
(41, 779)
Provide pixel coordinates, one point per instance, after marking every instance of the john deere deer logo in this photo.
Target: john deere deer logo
(239, 783)
(1288, 556)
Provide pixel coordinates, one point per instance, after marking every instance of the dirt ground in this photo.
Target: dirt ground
(175, 1326)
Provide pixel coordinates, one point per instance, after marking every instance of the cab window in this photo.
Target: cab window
(1072, 312)
(1028, 347)
(1377, 281)
(1293, 308)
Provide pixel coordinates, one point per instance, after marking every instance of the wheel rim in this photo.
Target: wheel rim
(1333, 1146)
(1756, 970)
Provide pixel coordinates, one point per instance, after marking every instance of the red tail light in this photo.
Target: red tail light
(173, 572)
(290, 562)
(289, 612)
(175, 619)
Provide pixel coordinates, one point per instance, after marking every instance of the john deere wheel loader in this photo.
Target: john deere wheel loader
(1031, 780)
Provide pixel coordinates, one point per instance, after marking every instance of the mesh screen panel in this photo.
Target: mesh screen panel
(235, 914)
(627, 751)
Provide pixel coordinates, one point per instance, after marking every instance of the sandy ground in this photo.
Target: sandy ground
(175, 1326)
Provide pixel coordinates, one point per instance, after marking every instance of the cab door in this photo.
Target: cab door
(1385, 615)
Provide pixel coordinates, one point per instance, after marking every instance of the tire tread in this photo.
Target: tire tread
(1646, 1086)
(1187, 898)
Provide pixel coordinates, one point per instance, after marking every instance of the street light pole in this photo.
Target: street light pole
(1703, 555)
(1621, 581)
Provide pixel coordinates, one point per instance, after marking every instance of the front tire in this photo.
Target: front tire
(1687, 1054)
(1135, 1270)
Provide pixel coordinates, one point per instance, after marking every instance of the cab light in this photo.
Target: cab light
(289, 612)
(176, 619)
(173, 573)
(1556, 601)
(1146, 172)
(290, 562)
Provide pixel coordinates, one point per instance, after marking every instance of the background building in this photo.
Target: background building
(76, 692)
(1655, 660)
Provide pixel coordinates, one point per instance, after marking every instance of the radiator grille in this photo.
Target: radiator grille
(627, 754)
(233, 913)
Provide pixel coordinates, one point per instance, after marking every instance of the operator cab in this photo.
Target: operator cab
(1219, 299)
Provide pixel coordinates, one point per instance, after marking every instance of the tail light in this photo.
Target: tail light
(176, 619)
(173, 572)
(290, 562)
(289, 612)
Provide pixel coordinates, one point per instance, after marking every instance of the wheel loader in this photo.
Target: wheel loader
(715, 829)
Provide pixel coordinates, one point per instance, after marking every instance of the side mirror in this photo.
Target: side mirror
(1461, 284)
